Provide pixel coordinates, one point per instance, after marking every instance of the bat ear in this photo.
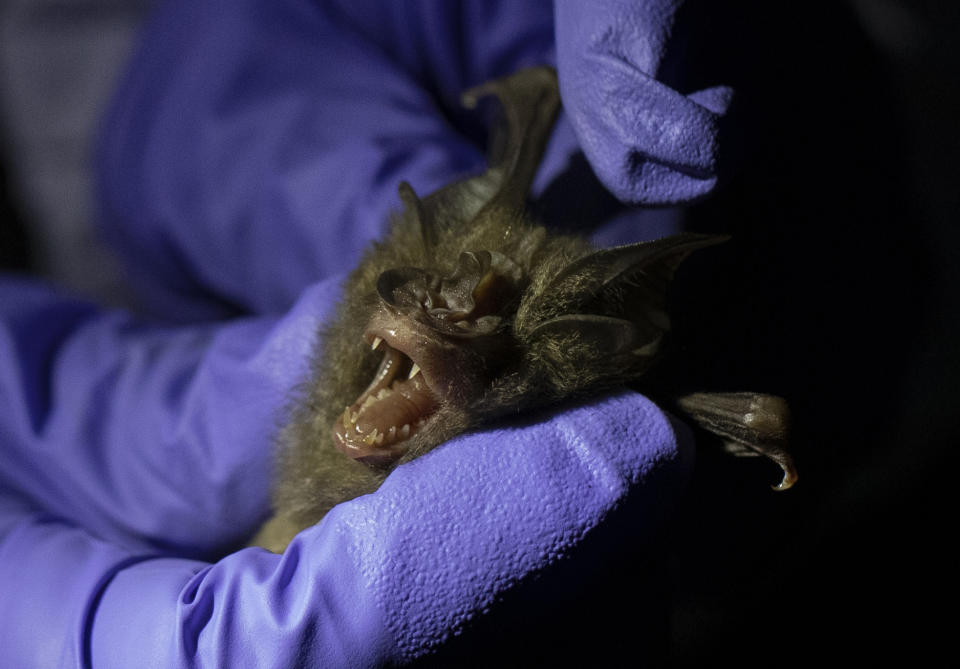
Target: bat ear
(530, 100)
(615, 279)
(610, 335)
(414, 209)
(616, 296)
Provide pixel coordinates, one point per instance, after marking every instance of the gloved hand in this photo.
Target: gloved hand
(128, 448)
(647, 142)
(255, 147)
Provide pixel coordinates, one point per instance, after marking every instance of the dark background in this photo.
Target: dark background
(14, 248)
(840, 292)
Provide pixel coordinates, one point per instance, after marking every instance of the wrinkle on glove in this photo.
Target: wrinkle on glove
(647, 142)
(256, 146)
(154, 437)
(148, 446)
(391, 576)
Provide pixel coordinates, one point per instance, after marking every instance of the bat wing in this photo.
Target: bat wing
(749, 424)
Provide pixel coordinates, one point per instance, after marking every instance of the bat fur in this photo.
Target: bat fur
(469, 311)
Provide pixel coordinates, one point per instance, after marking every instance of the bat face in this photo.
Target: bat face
(530, 322)
(447, 332)
(468, 311)
(444, 335)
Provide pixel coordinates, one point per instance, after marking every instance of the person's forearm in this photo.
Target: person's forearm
(122, 426)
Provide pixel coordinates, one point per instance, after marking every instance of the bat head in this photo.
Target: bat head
(466, 312)
(534, 321)
(477, 313)
(443, 338)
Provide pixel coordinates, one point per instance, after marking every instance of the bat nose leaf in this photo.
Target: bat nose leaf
(465, 303)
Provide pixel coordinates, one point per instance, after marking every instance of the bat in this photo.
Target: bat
(469, 311)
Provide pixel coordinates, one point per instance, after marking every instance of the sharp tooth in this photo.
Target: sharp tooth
(379, 440)
(353, 417)
(414, 371)
(371, 437)
(367, 402)
(392, 433)
(346, 417)
(376, 342)
(405, 431)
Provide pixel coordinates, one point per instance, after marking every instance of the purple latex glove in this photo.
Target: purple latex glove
(647, 142)
(127, 447)
(254, 149)
(255, 146)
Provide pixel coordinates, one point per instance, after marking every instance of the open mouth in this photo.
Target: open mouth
(394, 407)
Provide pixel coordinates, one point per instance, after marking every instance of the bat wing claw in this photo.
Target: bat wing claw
(749, 423)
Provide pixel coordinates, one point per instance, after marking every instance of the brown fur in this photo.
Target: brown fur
(585, 320)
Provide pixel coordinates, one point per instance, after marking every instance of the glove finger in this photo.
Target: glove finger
(647, 142)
